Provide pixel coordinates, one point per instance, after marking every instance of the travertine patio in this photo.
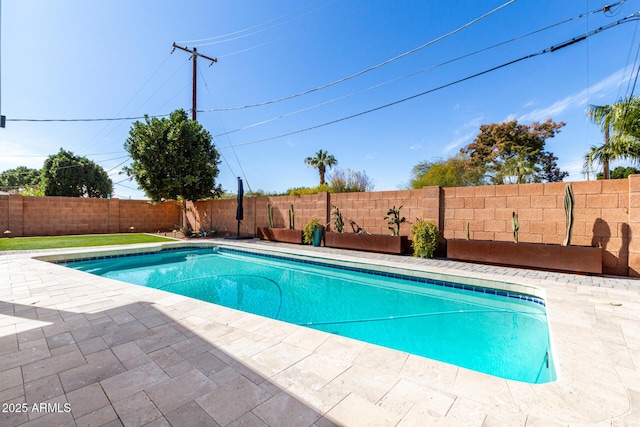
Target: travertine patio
(120, 354)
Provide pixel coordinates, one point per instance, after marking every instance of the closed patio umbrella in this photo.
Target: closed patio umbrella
(239, 209)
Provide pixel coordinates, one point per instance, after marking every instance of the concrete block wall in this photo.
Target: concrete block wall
(606, 214)
(369, 209)
(602, 215)
(55, 216)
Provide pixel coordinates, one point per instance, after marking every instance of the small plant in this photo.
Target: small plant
(395, 220)
(425, 238)
(338, 220)
(568, 214)
(292, 218)
(309, 230)
(270, 215)
(466, 231)
(515, 225)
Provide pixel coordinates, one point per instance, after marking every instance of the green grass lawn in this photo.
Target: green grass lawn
(53, 242)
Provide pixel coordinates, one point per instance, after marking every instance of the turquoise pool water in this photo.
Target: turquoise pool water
(495, 332)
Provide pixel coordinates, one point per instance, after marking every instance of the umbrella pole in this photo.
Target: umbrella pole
(238, 228)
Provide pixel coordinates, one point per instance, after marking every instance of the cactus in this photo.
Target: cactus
(395, 220)
(568, 214)
(466, 230)
(515, 225)
(270, 215)
(339, 220)
(292, 218)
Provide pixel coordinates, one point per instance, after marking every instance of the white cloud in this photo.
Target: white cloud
(459, 141)
(579, 99)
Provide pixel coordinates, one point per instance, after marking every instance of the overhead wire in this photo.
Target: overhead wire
(307, 29)
(109, 119)
(551, 49)
(89, 142)
(265, 29)
(221, 154)
(245, 29)
(374, 67)
(406, 75)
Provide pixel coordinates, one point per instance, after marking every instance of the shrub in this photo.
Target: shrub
(425, 238)
(309, 228)
(302, 191)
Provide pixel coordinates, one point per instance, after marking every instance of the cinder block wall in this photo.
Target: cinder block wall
(55, 216)
(601, 215)
(606, 214)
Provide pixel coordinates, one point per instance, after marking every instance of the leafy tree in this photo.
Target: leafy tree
(65, 174)
(453, 172)
(511, 152)
(349, 181)
(620, 173)
(321, 161)
(620, 125)
(173, 159)
(15, 180)
(549, 169)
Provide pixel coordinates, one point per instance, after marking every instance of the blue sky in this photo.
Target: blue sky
(76, 59)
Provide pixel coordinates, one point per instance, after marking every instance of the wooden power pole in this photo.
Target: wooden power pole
(194, 56)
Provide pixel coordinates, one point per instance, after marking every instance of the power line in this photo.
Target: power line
(359, 73)
(282, 116)
(307, 29)
(111, 119)
(106, 126)
(260, 31)
(222, 155)
(506, 64)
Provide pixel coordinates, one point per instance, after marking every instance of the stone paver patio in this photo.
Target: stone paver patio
(81, 350)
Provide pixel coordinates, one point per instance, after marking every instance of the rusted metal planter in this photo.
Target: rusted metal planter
(581, 259)
(380, 243)
(280, 235)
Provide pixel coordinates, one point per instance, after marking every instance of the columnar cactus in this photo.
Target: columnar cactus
(515, 225)
(270, 215)
(568, 214)
(292, 218)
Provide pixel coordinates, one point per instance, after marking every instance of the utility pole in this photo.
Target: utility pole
(194, 56)
(3, 119)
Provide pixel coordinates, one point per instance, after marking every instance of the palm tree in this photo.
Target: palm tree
(321, 161)
(620, 125)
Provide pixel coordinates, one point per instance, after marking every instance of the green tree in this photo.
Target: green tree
(16, 180)
(321, 161)
(65, 174)
(514, 153)
(549, 170)
(620, 173)
(349, 181)
(173, 159)
(453, 172)
(620, 126)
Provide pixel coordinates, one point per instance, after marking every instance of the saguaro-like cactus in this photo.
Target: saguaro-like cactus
(568, 214)
(515, 225)
(292, 218)
(270, 215)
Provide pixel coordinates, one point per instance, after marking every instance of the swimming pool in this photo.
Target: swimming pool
(492, 331)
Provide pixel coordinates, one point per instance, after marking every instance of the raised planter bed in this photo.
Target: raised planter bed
(280, 235)
(366, 242)
(581, 259)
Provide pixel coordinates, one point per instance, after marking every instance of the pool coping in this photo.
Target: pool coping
(596, 345)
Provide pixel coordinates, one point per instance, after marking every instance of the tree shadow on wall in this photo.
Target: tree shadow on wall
(613, 262)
